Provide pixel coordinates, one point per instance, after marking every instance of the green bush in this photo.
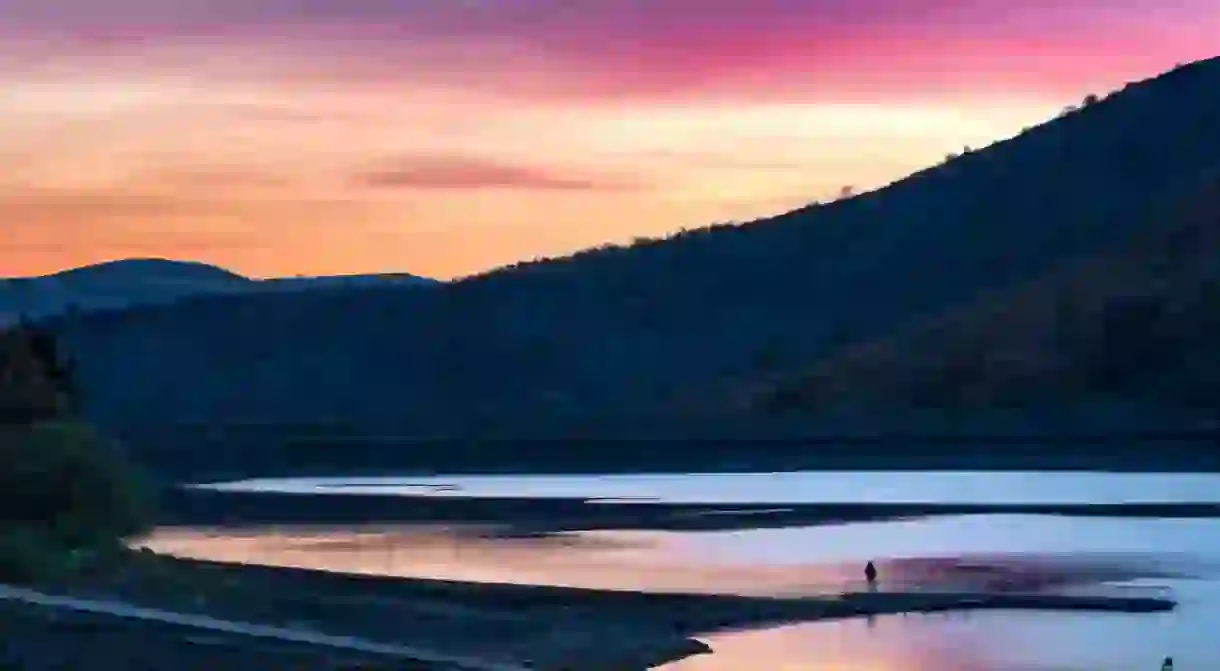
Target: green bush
(67, 497)
(29, 555)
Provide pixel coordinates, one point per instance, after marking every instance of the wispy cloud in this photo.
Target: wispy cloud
(465, 172)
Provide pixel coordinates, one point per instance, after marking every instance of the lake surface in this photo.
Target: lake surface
(816, 559)
(799, 487)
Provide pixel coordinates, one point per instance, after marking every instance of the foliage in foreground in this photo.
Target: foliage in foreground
(67, 496)
(67, 499)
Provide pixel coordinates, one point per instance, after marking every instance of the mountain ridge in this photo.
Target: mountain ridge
(636, 341)
(142, 267)
(130, 283)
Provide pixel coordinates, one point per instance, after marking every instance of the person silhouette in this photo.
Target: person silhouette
(870, 574)
(1167, 665)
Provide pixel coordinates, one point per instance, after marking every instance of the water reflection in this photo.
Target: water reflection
(792, 487)
(949, 553)
(970, 534)
(888, 645)
(652, 561)
(984, 641)
(926, 553)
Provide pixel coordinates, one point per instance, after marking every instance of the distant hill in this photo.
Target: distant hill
(650, 339)
(134, 282)
(113, 284)
(139, 271)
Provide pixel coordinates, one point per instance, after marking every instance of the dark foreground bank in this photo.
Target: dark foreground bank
(41, 639)
(498, 626)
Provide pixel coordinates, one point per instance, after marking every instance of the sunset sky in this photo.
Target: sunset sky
(444, 137)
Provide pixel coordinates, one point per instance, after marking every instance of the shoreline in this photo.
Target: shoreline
(546, 628)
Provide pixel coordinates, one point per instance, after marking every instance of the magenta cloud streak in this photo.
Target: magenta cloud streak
(660, 48)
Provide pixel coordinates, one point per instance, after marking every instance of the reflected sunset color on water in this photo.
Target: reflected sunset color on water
(1175, 557)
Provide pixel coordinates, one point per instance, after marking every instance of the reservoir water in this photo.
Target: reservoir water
(1140, 554)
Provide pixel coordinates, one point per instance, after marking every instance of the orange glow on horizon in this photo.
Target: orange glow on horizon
(242, 189)
(309, 149)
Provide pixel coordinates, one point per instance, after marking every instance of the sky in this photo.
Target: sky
(446, 137)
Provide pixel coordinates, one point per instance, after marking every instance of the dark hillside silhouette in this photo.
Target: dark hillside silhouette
(648, 339)
(1139, 322)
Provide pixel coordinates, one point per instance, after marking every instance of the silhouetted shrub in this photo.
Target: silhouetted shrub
(65, 493)
(29, 555)
(65, 475)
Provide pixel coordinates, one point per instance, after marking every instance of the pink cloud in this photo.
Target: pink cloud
(456, 172)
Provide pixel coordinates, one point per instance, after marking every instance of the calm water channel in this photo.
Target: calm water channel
(814, 559)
